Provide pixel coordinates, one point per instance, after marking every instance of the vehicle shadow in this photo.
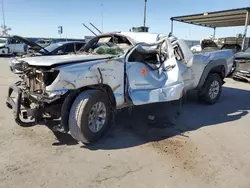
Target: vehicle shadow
(62, 138)
(158, 122)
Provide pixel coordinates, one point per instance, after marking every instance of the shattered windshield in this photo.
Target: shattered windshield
(108, 45)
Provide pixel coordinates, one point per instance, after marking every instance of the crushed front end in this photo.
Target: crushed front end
(28, 97)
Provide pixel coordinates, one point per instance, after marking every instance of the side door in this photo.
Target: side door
(149, 80)
(11, 45)
(15, 46)
(185, 59)
(20, 47)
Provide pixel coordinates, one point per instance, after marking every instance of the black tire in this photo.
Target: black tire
(204, 94)
(79, 113)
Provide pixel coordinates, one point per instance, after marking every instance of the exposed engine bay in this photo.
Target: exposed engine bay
(34, 101)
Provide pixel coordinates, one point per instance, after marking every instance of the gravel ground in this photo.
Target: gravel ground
(188, 144)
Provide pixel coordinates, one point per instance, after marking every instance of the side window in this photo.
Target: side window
(60, 49)
(14, 41)
(11, 41)
(78, 46)
(69, 48)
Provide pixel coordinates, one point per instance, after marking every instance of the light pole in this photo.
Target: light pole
(102, 16)
(145, 12)
(3, 14)
(4, 27)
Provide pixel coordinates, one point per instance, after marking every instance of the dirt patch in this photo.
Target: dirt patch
(180, 149)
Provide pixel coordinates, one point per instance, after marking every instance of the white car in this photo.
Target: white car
(112, 72)
(12, 46)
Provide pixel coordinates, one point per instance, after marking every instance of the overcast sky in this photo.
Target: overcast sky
(40, 18)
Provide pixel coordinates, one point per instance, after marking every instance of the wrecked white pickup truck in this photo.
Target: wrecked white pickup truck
(113, 71)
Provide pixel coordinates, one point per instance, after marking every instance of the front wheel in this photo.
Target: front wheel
(90, 116)
(212, 89)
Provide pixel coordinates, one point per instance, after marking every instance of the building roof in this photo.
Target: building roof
(225, 18)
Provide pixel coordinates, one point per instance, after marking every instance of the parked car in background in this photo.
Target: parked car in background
(11, 45)
(3, 46)
(44, 42)
(210, 44)
(59, 48)
(62, 48)
(242, 64)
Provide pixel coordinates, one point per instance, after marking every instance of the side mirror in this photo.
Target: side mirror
(60, 52)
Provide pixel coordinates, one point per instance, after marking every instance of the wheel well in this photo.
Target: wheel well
(220, 69)
(104, 88)
(72, 96)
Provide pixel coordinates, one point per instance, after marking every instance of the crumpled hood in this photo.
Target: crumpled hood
(62, 59)
(242, 55)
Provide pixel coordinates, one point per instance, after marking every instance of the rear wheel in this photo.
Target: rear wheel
(212, 89)
(90, 116)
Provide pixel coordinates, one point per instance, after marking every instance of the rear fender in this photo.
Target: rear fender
(215, 66)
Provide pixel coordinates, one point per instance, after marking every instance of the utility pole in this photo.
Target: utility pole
(4, 28)
(102, 16)
(3, 14)
(145, 12)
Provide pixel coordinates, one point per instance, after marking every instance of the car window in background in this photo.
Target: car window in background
(79, 46)
(41, 42)
(13, 41)
(69, 48)
(52, 47)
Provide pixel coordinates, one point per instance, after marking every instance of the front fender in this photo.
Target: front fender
(79, 75)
